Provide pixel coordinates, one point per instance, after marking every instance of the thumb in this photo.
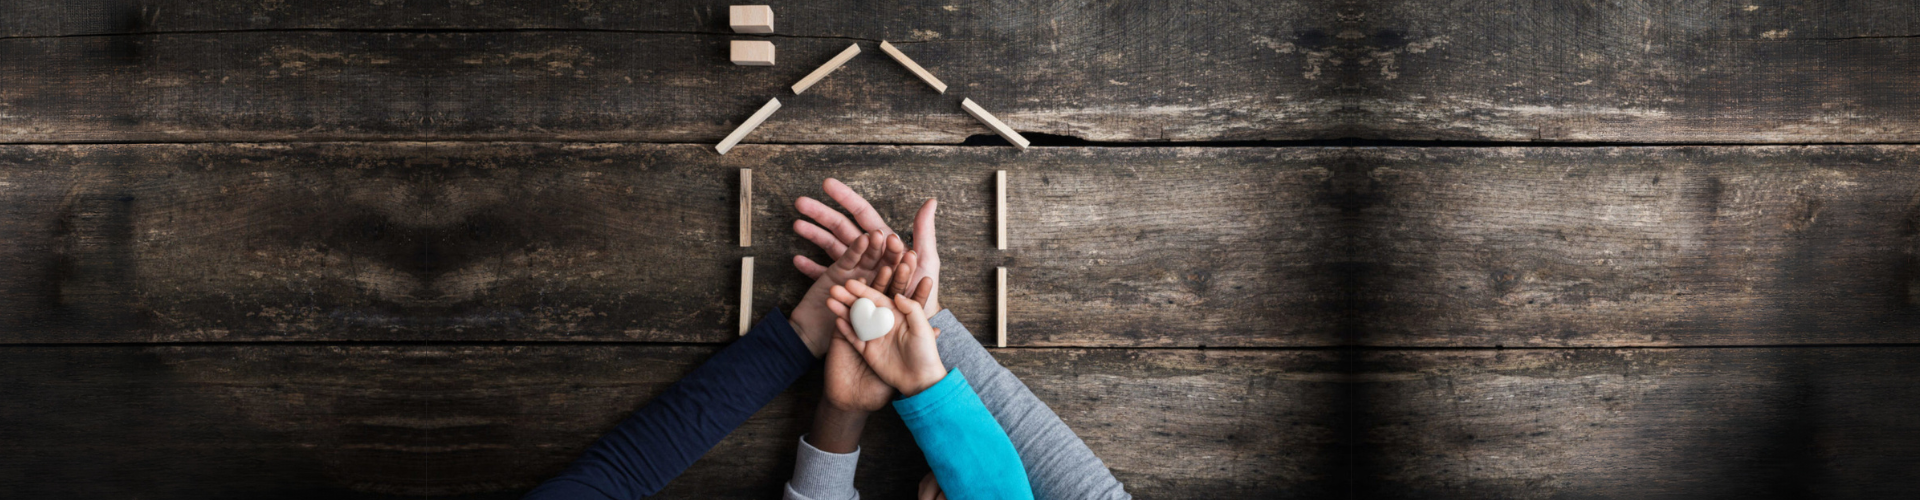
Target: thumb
(916, 317)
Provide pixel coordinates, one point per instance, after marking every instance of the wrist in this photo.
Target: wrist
(921, 381)
(835, 429)
(816, 344)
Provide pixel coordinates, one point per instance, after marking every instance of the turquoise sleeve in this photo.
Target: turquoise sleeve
(970, 455)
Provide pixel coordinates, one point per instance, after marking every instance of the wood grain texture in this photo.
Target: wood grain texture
(488, 422)
(1664, 71)
(410, 241)
(1639, 423)
(1639, 246)
(649, 71)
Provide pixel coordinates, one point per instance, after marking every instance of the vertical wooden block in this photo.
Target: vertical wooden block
(1000, 318)
(751, 52)
(746, 294)
(981, 114)
(826, 69)
(750, 18)
(748, 126)
(1000, 202)
(746, 207)
(913, 66)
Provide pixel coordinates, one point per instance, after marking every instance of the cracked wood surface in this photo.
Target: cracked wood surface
(1659, 71)
(489, 422)
(633, 71)
(459, 241)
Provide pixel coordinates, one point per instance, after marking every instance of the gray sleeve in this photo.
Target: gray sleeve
(1060, 466)
(819, 475)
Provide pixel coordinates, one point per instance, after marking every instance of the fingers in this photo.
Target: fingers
(807, 266)
(822, 238)
(923, 291)
(839, 309)
(847, 335)
(861, 290)
(845, 294)
(929, 488)
(884, 277)
(856, 206)
(923, 237)
(851, 259)
(916, 317)
(842, 228)
(902, 276)
(896, 250)
(871, 254)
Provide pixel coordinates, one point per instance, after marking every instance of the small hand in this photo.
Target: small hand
(835, 232)
(907, 358)
(851, 385)
(811, 318)
(930, 489)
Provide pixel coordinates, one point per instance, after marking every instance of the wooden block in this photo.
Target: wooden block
(1000, 316)
(746, 207)
(748, 126)
(1000, 201)
(912, 66)
(993, 123)
(751, 53)
(746, 294)
(750, 18)
(825, 69)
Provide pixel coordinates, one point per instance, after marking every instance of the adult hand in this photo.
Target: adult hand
(860, 260)
(907, 358)
(834, 232)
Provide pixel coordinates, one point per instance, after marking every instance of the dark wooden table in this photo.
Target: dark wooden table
(1264, 249)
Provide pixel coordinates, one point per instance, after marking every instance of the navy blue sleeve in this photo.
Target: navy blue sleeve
(660, 441)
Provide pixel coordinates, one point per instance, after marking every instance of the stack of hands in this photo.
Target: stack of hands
(872, 263)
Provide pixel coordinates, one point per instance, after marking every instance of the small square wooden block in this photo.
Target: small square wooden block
(750, 18)
(752, 53)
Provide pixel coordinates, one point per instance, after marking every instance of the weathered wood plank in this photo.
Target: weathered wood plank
(1763, 71)
(647, 71)
(183, 243)
(1639, 423)
(1639, 246)
(333, 421)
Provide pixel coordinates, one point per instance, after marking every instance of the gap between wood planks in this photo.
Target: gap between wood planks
(437, 31)
(616, 343)
(1038, 139)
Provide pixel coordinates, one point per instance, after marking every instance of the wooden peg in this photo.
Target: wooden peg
(1001, 318)
(912, 66)
(993, 123)
(748, 126)
(746, 207)
(825, 69)
(750, 18)
(750, 52)
(1000, 198)
(746, 294)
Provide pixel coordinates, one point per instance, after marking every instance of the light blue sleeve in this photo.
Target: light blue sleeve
(971, 457)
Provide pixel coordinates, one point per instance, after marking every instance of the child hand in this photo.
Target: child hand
(862, 259)
(907, 357)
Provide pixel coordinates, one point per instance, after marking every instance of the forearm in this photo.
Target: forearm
(1057, 462)
(969, 453)
(663, 438)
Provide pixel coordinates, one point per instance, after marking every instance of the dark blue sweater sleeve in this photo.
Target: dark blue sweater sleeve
(663, 438)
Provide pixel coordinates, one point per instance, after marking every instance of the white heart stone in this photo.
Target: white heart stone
(870, 322)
